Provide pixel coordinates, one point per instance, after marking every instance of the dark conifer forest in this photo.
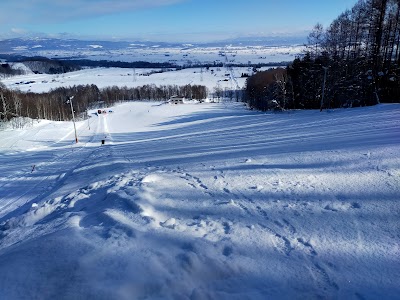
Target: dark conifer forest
(353, 62)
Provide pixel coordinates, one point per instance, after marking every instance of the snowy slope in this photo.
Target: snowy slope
(203, 201)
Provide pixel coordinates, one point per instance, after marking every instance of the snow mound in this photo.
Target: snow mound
(152, 178)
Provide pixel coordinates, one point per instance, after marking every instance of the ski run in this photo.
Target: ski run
(202, 201)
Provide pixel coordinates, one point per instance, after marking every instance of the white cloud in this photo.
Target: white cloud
(63, 10)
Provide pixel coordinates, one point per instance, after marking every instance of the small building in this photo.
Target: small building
(176, 100)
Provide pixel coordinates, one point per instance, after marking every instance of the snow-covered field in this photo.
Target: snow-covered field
(203, 201)
(181, 56)
(225, 78)
(186, 54)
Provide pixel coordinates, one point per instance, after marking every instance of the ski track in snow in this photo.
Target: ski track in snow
(45, 182)
(191, 202)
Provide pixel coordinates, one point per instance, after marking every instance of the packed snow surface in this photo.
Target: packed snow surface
(203, 201)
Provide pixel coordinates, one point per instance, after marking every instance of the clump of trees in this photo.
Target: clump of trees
(49, 105)
(52, 105)
(38, 65)
(150, 92)
(49, 66)
(6, 70)
(269, 89)
(353, 62)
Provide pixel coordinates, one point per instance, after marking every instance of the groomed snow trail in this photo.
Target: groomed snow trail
(203, 201)
(41, 169)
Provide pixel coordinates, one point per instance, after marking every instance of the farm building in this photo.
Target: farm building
(176, 100)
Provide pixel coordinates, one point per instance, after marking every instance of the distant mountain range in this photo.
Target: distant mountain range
(278, 40)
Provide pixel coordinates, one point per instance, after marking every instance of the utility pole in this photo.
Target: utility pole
(323, 88)
(73, 117)
(87, 115)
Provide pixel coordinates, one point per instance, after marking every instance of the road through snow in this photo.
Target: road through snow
(201, 201)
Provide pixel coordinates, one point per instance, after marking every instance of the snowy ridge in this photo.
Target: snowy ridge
(203, 201)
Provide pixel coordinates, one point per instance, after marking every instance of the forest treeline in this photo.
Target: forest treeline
(353, 62)
(53, 105)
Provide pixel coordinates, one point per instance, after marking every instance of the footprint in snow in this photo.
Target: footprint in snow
(307, 246)
(227, 251)
(227, 227)
(226, 190)
(170, 223)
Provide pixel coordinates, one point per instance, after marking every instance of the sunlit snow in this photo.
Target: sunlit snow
(202, 201)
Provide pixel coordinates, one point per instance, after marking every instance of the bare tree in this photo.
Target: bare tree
(315, 39)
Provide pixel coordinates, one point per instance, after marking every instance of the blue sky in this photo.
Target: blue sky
(165, 20)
